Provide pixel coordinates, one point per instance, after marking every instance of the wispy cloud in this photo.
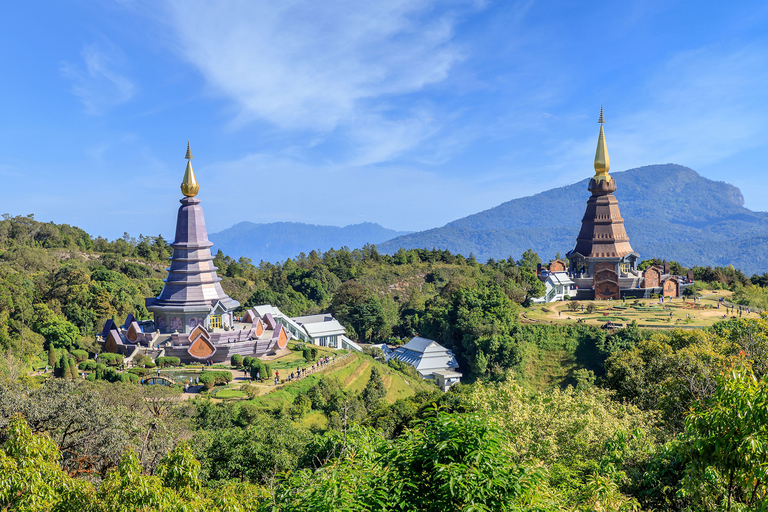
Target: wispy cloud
(95, 80)
(338, 68)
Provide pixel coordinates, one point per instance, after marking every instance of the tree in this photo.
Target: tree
(236, 360)
(529, 260)
(51, 356)
(374, 390)
(726, 441)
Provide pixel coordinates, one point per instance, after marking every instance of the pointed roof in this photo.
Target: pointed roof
(602, 161)
(189, 186)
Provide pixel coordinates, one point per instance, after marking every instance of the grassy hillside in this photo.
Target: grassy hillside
(353, 374)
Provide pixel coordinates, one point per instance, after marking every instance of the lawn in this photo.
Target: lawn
(648, 313)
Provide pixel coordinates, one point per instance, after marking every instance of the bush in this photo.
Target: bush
(236, 360)
(247, 361)
(90, 365)
(91, 377)
(80, 355)
(110, 359)
(266, 372)
(256, 367)
(313, 351)
(138, 371)
(210, 378)
(101, 367)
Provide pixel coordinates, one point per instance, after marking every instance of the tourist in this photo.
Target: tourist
(258, 377)
(197, 380)
(186, 387)
(275, 380)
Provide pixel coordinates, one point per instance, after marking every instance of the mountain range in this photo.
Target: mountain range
(279, 241)
(669, 210)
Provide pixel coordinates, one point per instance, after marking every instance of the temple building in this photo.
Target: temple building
(603, 264)
(193, 317)
(192, 294)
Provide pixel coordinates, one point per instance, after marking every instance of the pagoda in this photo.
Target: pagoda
(602, 253)
(192, 294)
(193, 318)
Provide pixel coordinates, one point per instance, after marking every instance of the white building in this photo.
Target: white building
(322, 329)
(557, 286)
(431, 360)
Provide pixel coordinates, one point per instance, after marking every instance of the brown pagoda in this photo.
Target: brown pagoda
(602, 256)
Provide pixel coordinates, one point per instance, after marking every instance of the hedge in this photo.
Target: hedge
(110, 359)
(80, 355)
(210, 378)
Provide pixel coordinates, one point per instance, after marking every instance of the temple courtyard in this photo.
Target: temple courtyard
(648, 313)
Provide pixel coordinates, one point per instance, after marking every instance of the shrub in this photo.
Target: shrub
(247, 361)
(80, 355)
(110, 359)
(266, 372)
(173, 361)
(307, 354)
(256, 367)
(82, 366)
(208, 380)
(138, 371)
(90, 365)
(101, 367)
(236, 360)
(313, 351)
(91, 377)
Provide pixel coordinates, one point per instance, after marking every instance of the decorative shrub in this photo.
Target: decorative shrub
(236, 360)
(80, 355)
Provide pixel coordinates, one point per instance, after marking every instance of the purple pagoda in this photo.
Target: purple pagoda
(192, 294)
(194, 318)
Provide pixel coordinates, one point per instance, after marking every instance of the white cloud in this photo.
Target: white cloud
(337, 68)
(95, 81)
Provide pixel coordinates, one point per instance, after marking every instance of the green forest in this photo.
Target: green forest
(666, 419)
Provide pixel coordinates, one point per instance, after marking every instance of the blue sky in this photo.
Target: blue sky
(409, 113)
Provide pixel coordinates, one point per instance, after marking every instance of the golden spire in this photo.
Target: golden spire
(602, 162)
(189, 186)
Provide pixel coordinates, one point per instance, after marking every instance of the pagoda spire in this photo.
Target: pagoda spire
(602, 161)
(189, 186)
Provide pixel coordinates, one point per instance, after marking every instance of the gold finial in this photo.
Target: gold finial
(189, 186)
(602, 161)
(601, 120)
(189, 151)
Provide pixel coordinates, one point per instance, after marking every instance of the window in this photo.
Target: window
(214, 322)
(624, 268)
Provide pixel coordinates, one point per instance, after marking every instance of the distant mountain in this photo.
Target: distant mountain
(670, 211)
(278, 241)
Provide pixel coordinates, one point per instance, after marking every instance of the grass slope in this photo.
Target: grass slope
(353, 373)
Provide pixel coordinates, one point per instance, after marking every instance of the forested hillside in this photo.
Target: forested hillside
(640, 420)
